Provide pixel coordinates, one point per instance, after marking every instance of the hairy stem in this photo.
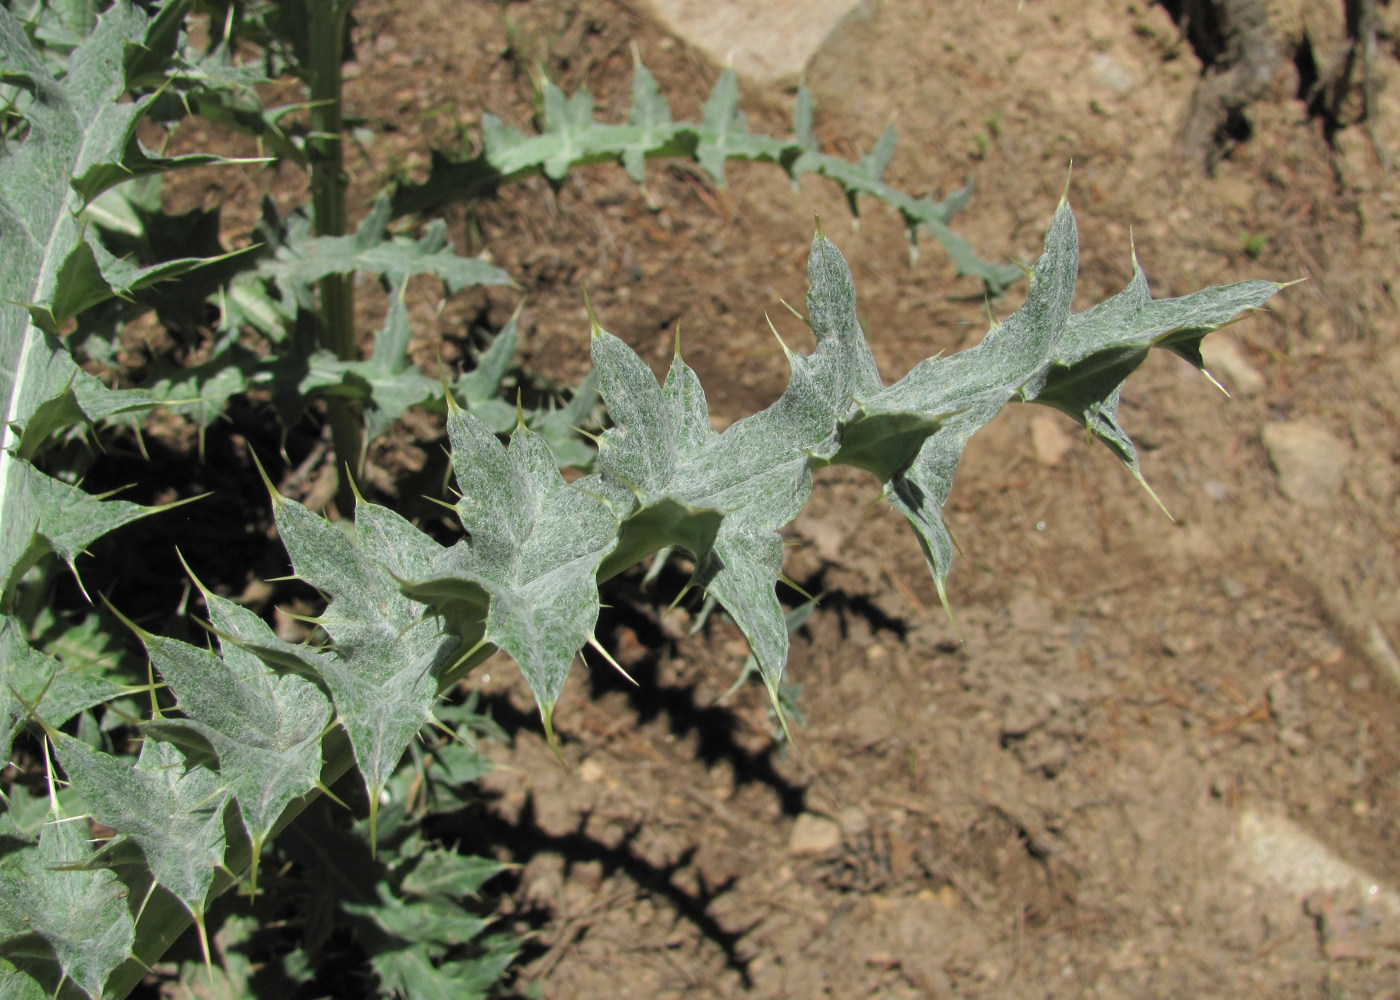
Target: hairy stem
(329, 183)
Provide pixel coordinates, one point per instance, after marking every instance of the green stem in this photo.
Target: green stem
(164, 918)
(329, 184)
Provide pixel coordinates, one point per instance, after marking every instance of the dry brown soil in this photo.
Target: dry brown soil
(1159, 756)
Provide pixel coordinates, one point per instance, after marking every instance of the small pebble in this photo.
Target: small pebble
(1049, 438)
(1227, 362)
(854, 822)
(1310, 461)
(814, 836)
(1293, 739)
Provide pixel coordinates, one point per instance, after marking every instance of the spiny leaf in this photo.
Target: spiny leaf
(15, 985)
(33, 682)
(723, 132)
(80, 140)
(483, 381)
(412, 972)
(754, 478)
(567, 119)
(171, 810)
(55, 914)
(560, 426)
(202, 392)
(264, 727)
(571, 137)
(1043, 353)
(382, 669)
(389, 384)
(44, 515)
(921, 215)
(447, 873)
(411, 922)
(306, 259)
(386, 384)
(1102, 345)
(534, 548)
(651, 117)
(666, 478)
(92, 275)
(427, 921)
(524, 579)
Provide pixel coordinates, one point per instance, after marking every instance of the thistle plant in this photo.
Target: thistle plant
(524, 578)
(224, 745)
(300, 271)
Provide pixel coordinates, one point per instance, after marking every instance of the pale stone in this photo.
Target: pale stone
(814, 836)
(765, 40)
(870, 724)
(1275, 851)
(1309, 460)
(1111, 73)
(827, 536)
(1227, 363)
(1049, 439)
(854, 822)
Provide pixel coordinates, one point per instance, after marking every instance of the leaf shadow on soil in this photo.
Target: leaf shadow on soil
(483, 830)
(716, 726)
(718, 732)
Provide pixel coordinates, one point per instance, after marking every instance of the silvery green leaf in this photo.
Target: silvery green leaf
(723, 132)
(754, 478)
(44, 515)
(79, 140)
(651, 117)
(171, 810)
(306, 259)
(571, 137)
(447, 873)
(483, 381)
(201, 392)
(386, 382)
(16, 985)
(1044, 353)
(56, 915)
(672, 481)
(1105, 343)
(534, 546)
(1011, 362)
(383, 665)
(566, 122)
(262, 722)
(33, 682)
